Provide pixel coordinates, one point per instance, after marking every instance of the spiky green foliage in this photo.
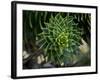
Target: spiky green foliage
(59, 39)
(32, 20)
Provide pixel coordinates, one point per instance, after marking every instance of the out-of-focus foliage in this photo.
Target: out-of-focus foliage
(84, 22)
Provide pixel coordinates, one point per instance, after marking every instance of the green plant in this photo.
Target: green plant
(57, 52)
(59, 39)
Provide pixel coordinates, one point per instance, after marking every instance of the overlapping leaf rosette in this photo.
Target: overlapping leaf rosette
(59, 39)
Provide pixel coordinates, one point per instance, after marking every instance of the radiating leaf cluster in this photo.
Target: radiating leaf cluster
(59, 39)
